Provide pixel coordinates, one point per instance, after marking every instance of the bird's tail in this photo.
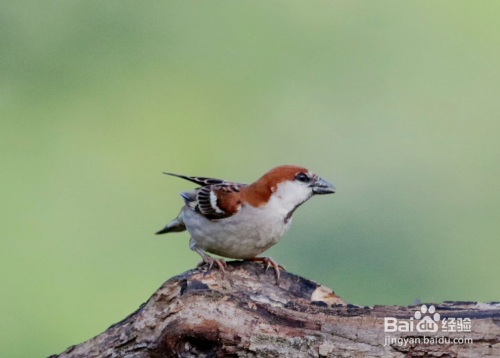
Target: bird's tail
(176, 225)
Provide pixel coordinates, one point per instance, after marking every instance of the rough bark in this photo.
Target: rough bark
(199, 314)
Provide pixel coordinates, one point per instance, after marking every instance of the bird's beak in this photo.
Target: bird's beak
(321, 186)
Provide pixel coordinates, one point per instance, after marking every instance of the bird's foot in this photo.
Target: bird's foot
(209, 260)
(270, 262)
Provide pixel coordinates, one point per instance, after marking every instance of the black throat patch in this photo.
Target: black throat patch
(290, 213)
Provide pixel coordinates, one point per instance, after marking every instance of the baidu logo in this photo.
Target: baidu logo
(425, 320)
(427, 324)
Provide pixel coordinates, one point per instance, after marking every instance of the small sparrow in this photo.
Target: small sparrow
(241, 221)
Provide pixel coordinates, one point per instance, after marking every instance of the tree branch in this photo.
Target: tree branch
(199, 314)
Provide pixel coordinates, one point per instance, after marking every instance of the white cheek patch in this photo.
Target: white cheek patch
(290, 194)
(213, 202)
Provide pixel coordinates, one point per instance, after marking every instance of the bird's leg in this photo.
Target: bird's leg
(270, 262)
(207, 259)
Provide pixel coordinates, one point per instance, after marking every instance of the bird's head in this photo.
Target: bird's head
(292, 185)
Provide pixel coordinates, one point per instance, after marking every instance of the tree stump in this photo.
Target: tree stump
(199, 314)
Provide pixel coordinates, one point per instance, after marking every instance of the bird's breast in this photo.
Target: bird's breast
(244, 235)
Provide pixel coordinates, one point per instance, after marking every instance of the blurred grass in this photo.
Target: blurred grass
(396, 103)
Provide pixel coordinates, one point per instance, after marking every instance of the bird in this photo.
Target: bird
(241, 221)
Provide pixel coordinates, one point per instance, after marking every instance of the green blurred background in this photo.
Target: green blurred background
(395, 102)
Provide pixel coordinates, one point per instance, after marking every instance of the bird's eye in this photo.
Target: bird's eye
(302, 177)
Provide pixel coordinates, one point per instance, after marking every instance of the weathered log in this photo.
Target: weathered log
(199, 314)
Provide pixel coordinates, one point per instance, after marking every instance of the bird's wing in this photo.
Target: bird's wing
(199, 180)
(216, 201)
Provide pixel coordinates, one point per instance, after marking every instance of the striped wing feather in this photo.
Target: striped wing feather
(216, 199)
(219, 201)
(203, 181)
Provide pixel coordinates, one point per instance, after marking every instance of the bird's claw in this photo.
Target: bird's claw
(270, 262)
(209, 260)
